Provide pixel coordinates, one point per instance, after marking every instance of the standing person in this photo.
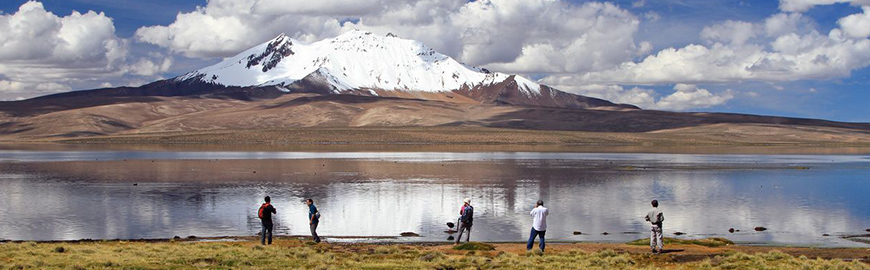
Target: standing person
(539, 224)
(265, 215)
(655, 217)
(313, 219)
(466, 219)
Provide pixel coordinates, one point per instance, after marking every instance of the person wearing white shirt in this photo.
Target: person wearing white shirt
(539, 224)
(655, 217)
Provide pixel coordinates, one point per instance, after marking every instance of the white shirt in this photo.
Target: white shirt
(540, 215)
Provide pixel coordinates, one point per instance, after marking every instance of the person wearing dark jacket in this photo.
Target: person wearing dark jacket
(265, 215)
(466, 219)
(313, 219)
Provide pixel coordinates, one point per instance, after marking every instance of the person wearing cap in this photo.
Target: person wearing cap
(539, 224)
(466, 219)
(655, 217)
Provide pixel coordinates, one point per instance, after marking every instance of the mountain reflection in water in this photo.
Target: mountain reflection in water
(70, 195)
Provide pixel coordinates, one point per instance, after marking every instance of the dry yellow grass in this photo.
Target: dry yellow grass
(295, 254)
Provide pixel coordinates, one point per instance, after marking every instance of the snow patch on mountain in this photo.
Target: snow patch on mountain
(355, 60)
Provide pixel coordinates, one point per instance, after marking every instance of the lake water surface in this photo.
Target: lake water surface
(69, 195)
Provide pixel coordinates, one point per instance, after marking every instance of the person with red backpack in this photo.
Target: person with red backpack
(265, 215)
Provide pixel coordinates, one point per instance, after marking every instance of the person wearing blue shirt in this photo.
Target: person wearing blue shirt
(313, 219)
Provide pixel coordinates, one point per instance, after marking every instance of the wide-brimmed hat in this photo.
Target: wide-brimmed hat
(467, 200)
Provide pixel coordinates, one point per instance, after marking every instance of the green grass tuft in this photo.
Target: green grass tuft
(474, 246)
(708, 242)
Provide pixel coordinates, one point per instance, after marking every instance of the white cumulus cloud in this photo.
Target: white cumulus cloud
(13, 86)
(43, 52)
(226, 27)
(856, 25)
(522, 36)
(546, 36)
(685, 96)
(790, 50)
(730, 32)
(689, 96)
(804, 5)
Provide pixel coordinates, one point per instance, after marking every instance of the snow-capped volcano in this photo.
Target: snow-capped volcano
(363, 63)
(353, 60)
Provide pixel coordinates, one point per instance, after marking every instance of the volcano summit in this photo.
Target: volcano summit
(360, 79)
(363, 63)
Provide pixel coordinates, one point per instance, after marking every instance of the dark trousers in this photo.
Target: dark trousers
(464, 228)
(267, 230)
(313, 228)
(532, 239)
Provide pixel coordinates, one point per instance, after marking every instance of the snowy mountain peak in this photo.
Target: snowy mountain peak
(355, 60)
(276, 49)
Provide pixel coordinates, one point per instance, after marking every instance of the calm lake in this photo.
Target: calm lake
(71, 194)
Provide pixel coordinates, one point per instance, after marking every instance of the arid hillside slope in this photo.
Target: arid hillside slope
(207, 115)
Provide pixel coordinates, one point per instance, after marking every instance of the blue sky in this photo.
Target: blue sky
(604, 59)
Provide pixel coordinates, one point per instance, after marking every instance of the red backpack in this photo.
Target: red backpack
(262, 208)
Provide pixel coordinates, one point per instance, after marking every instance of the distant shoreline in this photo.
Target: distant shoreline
(461, 139)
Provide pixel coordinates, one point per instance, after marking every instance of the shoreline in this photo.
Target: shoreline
(250, 254)
(383, 240)
(467, 136)
(457, 148)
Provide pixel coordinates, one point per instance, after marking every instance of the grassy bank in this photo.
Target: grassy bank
(296, 254)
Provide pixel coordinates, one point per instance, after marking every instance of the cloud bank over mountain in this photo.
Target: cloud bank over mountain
(574, 46)
(43, 52)
(592, 48)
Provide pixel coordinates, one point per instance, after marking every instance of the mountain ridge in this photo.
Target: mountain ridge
(264, 97)
(354, 63)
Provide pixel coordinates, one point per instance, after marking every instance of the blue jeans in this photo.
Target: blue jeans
(532, 239)
(267, 229)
